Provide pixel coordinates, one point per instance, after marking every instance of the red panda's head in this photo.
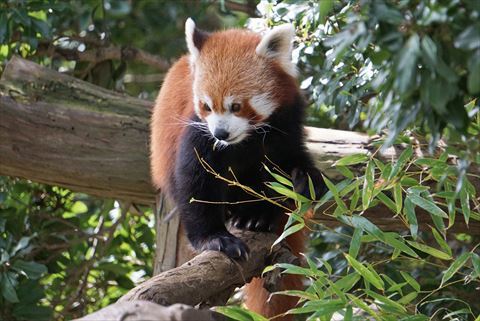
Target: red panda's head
(240, 78)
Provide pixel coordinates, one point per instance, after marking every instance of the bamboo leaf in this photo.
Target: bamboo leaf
(465, 204)
(387, 201)
(386, 301)
(340, 203)
(282, 190)
(240, 314)
(427, 205)
(289, 231)
(397, 196)
(351, 160)
(430, 250)
(402, 160)
(399, 244)
(355, 242)
(413, 283)
(368, 275)
(455, 266)
(443, 244)
(476, 263)
(367, 191)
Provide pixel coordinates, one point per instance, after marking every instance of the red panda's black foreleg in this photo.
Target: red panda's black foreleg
(200, 196)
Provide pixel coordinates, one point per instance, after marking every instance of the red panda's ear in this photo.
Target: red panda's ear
(195, 39)
(277, 44)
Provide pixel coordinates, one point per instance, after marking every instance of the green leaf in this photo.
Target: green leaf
(399, 244)
(299, 294)
(359, 303)
(429, 52)
(476, 263)
(3, 27)
(320, 307)
(397, 196)
(443, 244)
(311, 188)
(406, 66)
(455, 266)
(347, 282)
(355, 242)
(345, 171)
(348, 314)
(430, 250)
(367, 191)
(427, 205)
(387, 201)
(8, 289)
(79, 207)
(469, 39)
(238, 313)
(289, 231)
(32, 312)
(279, 178)
(363, 223)
(333, 189)
(351, 160)
(386, 301)
(294, 269)
(473, 80)
(402, 160)
(408, 298)
(33, 270)
(413, 283)
(465, 204)
(368, 275)
(282, 190)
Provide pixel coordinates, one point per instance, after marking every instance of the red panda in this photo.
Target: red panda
(234, 101)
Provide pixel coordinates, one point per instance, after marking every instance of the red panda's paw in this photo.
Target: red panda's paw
(301, 186)
(227, 243)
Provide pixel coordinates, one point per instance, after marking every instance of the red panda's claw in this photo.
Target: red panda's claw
(227, 243)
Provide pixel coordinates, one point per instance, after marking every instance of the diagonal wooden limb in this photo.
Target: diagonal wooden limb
(211, 274)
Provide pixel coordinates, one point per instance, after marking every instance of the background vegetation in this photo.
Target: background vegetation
(404, 69)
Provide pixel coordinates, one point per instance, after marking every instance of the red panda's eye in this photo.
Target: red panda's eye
(235, 107)
(206, 107)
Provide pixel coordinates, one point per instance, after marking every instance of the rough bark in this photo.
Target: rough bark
(144, 310)
(58, 130)
(213, 272)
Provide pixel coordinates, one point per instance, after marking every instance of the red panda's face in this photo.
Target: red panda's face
(240, 78)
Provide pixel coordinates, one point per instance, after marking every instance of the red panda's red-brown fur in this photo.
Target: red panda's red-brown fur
(175, 105)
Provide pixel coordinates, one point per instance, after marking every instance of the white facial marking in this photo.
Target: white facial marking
(227, 102)
(237, 127)
(263, 104)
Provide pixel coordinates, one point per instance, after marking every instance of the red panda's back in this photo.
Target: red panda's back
(173, 107)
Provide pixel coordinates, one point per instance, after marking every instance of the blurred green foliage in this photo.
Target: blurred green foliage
(65, 253)
(403, 68)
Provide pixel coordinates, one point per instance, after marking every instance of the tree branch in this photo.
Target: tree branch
(212, 272)
(97, 55)
(144, 310)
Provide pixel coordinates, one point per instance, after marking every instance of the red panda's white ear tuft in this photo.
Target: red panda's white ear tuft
(195, 39)
(277, 44)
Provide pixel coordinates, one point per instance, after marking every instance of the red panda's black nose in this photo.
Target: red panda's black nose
(221, 134)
